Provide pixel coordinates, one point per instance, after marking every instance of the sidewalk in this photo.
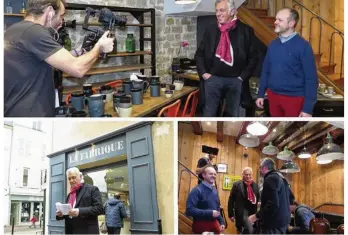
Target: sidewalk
(23, 230)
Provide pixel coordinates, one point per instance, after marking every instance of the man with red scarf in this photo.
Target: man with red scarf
(243, 201)
(86, 204)
(226, 59)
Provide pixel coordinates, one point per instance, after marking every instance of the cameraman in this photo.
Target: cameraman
(29, 53)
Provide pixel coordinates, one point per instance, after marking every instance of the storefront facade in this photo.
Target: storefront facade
(24, 208)
(119, 162)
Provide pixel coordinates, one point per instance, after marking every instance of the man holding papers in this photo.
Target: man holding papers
(84, 206)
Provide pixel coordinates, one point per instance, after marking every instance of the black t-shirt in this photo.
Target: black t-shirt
(201, 163)
(28, 79)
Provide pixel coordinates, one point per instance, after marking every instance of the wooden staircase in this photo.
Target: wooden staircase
(185, 224)
(259, 20)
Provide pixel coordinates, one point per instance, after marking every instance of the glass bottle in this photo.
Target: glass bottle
(115, 45)
(130, 43)
(22, 11)
(9, 8)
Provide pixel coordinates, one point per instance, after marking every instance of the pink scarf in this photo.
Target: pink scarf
(224, 50)
(251, 194)
(72, 196)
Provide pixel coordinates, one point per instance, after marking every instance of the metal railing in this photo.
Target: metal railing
(315, 17)
(191, 173)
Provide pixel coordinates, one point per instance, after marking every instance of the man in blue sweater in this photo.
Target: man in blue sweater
(303, 216)
(289, 72)
(203, 205)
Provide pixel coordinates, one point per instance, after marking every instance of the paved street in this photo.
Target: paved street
(23, 230)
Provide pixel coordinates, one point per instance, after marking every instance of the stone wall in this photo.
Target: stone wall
(170, 32)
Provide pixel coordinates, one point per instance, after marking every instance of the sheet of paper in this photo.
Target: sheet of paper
(64, 208)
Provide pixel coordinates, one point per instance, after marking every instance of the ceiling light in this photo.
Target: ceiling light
(289, 167)
(257, 129)
(286, 154)
(185, 1)
(248, 140)
(208, 123)
(275, 129)
(270, 149)
(330, 150)
(324, 161)
(304, 154)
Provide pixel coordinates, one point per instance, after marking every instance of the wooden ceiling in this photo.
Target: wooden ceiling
(292, 134)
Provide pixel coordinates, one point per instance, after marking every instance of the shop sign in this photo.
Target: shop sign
(103, 150)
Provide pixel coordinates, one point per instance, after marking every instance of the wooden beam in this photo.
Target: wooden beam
(220, 131)
(271, 126)
(242, 130)
(288, 132)
(197, 128)
(313, 131)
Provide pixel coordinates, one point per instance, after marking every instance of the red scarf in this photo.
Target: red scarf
(72, 196)
(251, 194)
(224, 50)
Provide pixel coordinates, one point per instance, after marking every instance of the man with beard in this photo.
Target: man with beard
(206, 161)
(30, 52)
(226, 59)
(86, 204)
(243, 201)
(274, 214)
(289, 72)
(203, 205)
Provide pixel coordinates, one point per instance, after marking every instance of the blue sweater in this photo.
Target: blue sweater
(201, 202)
(289, 69)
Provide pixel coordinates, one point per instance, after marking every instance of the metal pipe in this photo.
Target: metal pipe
(12, 225)
(159, 224)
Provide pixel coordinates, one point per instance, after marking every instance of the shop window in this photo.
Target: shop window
(25, 177)
(25, 215)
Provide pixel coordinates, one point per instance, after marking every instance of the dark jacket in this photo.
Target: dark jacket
(303, 215)
(243, 43)
(275, 202)
(237, 200)
(115, 212)
(89, 203)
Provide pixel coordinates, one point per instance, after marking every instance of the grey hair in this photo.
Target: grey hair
(247, 168)
(231, 5)
(268, 163)
(73, 170)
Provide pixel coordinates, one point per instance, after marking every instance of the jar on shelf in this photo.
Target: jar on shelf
(22, 11)
(130, 43)
(9, 8)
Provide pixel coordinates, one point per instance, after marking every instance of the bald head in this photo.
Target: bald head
(209, 174)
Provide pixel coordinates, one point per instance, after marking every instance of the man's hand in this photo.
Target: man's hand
(232, 219)
(206, 76)
(215, 213)
(106, 44)
(59, 214)
(303, 114)
(290, 229)
(74, 212)
(259, 102)
(252, 219)
(222, 228)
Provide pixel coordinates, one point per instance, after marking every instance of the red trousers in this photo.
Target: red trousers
(198, 227)
(283, 105)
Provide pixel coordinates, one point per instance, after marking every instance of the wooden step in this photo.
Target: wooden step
(185, 224)
(337, 79)
(267, 19)
(259, 12)
(326, 68)
(317, 58)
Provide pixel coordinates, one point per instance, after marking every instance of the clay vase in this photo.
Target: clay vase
(319, 226)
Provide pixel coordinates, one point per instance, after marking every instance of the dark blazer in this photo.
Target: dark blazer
(245, 49)
(237, 199)
(90, 205)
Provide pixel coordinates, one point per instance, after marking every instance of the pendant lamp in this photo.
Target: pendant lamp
(185, 1)
(257, 129)
(304, 153)
(330, 150)
(289, 167)
(286, 154)
(270, 149)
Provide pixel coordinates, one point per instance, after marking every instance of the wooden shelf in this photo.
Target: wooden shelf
(99, 24)
(97, 85)
(17, 15)
(114, 69)
(123, 53)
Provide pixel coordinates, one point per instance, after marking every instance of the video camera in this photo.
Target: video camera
(63, 33)
(108, 19)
